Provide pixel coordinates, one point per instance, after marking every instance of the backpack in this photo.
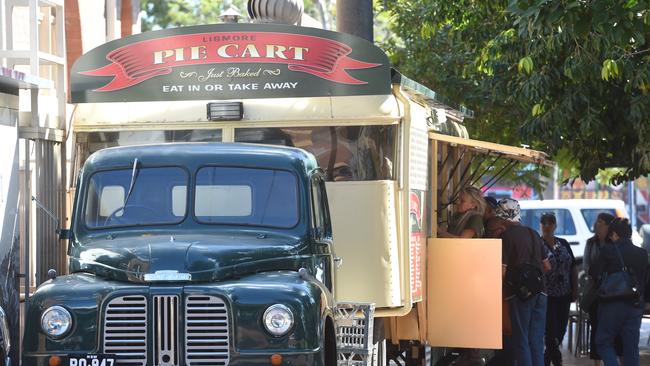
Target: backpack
(525, 279)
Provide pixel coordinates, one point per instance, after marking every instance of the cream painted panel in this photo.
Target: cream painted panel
(255, 110)
(464, 293)
(364, 221)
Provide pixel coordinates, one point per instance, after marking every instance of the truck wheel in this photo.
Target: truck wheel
(406, 353)
(330, 344)
(379, 354)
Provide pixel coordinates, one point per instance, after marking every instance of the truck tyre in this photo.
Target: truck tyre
(329, 348)
(379, 354)
(406, 353)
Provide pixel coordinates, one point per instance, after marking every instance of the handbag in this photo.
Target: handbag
(525, 279)
(589, 295)
(619, 285)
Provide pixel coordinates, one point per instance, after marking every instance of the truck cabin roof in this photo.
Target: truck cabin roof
(195, 155)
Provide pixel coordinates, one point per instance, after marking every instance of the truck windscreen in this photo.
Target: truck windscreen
(246, 196)
(157, 197)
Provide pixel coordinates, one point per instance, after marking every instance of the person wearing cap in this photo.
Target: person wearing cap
(494, 225)
(521, 244)
(621, 316)
(561, 287)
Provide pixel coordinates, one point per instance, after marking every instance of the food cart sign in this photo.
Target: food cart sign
(230, 61)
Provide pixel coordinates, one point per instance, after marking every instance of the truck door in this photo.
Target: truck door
(322, 232)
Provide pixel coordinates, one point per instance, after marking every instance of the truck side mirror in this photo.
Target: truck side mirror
(65, 234)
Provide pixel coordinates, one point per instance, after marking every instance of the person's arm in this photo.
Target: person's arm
(504, 256)
(546, 265)
(598, 267)
(586, 257)
(473, 229)
(466, 234)
(546, 255)
(574, 270)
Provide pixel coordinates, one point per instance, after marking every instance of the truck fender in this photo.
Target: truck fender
(5, 339)
(329, 342)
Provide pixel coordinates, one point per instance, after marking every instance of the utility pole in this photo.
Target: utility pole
(355, 17)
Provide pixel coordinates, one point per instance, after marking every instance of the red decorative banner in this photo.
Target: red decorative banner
(137, 62)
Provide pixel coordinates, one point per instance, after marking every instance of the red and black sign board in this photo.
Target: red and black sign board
(230, 61)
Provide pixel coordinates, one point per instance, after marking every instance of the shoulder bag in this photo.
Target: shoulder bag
(619, 285)
(525, 279)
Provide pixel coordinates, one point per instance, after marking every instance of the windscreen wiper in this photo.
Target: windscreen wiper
(134, 173)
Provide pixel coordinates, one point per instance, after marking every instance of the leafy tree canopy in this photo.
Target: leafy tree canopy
(569, 77)
(162, 14)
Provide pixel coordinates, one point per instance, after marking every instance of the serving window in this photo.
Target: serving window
(90, 142)
(345, 153)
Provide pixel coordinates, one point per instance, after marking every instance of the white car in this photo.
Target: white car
(575, 218)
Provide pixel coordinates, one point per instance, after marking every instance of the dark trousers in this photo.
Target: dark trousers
(593, 349)
(618, 318)
(557, 317)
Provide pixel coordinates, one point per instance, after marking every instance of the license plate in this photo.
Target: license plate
(99, 359)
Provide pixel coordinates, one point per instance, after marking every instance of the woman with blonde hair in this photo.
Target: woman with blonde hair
(467, 219)
(467, 222)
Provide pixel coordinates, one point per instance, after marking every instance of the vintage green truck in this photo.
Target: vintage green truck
(204, 254)
(218, 254)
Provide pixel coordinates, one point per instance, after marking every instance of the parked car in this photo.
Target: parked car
(575, 218)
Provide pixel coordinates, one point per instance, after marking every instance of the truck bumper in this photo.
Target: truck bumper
(293, 359)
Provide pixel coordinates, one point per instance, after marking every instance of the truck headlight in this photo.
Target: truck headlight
(278, 320)
(56, 321)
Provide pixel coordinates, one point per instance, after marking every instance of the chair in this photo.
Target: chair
(573, 322)
(583, 331)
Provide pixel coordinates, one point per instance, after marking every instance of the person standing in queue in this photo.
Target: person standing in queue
(620, 317)
(494, 225)
(467, 222)
(592, 252)
(467, 219)
(561, 287)
(522, 247)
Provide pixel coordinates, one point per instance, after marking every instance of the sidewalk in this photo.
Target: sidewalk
(644, 350)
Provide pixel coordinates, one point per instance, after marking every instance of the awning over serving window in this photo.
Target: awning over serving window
(464, 162)
(491, 148)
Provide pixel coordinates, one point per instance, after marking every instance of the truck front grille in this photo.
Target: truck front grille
(125, 330)
(206, 332)
(165, 331)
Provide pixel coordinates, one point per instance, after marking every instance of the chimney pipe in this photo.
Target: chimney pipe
(355, 17)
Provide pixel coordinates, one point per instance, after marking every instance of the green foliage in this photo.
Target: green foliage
(569, 77)
(161, 14)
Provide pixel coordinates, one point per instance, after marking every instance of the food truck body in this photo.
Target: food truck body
(393, 157)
